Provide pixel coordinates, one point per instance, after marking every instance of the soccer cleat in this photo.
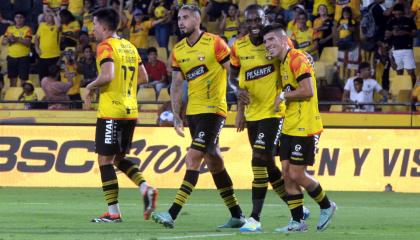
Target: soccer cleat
(293, 226)
(325, 217)
(251, 225)
(163, 218)
(234, 223)
(108, 218)
(149, 200)
(306, 213)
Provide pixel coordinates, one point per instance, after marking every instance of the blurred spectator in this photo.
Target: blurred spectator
(70, 29)
(156, 70)
(5, 21)
(55, 5)
(326, 3)
(88, 9)
(28, 94)
(139, 32)
(304, 38)
(83, 42)
(87, 66)
(368, 86)
(358, 97)
(162, 30)
(142, 5)
(125, 17)
(415, 9)
(401, 31)
(354, 5)
(72, 74)
(46, 43)
(323, 26)
(415, 94)
(383, 64)
(229, 23)
(288, 9)
(101, 3)
(242, 31)
(292, 25)
(54, 89)
(76, 8)
(18, 38)
(345, 28)
(216, 7)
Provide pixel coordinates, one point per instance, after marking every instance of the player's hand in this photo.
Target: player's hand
(89, 97)
(179, 126)
(243, 96)
(240, 121)
(279, 99)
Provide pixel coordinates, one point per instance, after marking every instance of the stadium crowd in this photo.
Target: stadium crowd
(54, 40)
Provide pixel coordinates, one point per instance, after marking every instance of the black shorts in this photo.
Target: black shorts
(18, 67)
(205, 130)
(264, 135)
(113, 136)
(299, 150)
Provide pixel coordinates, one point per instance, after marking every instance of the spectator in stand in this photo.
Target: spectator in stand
(88, 9)
(87, 66)
(229, 23)
(47, 43)
(215, 8)
(358, 97)
(304, 37)
(369, 85)
(72, 74)
(383, 64)
(156, 70)
(158, 9)
(139, 32)
(54, 89)
(70, 29)
(292, 25)
(415, 9)
(101, 4)
(84, 41)
(323, 27)
(76, 8)
(288, 8)
(28, 94)
(125, 18)
(55, 5)
(18, 38)
(355, 9)
(400, 32)
(242, 31)
(328, 4)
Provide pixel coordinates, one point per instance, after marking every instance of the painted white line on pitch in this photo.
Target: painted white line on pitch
(201, 236)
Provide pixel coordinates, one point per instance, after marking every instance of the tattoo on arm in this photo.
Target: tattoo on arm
(176, 93)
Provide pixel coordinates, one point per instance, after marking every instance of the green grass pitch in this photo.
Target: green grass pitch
(64, 213)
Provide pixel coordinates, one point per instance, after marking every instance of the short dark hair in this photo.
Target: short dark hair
(53, 71)
(272, 28)
(364, 65)
(87, 47)
(358, 80)
(191, 8)
(253, 7)
(398, 7)
(151, 50)
(109, 17)
(19, 13)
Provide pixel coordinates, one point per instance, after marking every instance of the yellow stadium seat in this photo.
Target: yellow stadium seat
(416, 53)
(320, 72)
(149, 107)
(400, 82)
(13, 93)
(146, 94)
(172, 41)
(34, 78)
(329, 54)
(39, 93)
(164, 95)
(336, 108)
(162, 54)
(152, 42)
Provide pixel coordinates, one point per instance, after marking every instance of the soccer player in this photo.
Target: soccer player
(202, 59)
(259, 84)
(120, 70)
(301, 129)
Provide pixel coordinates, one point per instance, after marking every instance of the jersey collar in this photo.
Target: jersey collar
(192, 45)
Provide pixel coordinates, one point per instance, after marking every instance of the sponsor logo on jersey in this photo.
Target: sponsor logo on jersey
(259, 72)
(196, 72)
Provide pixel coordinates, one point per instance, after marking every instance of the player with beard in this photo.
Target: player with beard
(202, 59)
(259, 84)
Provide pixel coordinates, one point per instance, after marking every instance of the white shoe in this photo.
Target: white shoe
(293, 226)
(251, 225)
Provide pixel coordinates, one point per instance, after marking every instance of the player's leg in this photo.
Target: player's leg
(304, 155)
(148, 193)
(193, 162)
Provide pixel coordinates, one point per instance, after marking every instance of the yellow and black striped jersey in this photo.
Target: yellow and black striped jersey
(201, 65)
(118, 99)
(259, 74)
(302, 116)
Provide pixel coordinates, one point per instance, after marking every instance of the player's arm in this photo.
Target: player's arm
(176, 101)
(304, 91)
(142, 76)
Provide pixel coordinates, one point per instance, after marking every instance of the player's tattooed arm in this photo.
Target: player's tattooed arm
(176, 96)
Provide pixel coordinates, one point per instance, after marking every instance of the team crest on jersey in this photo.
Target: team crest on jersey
(196, 72)
(269, 58)
(259, 72)
(201, 57)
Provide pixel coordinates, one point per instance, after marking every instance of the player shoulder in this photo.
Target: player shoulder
(180, 45)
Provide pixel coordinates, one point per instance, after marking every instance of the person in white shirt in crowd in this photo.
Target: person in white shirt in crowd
(369, 85)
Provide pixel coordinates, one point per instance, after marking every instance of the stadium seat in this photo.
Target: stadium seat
(320, 72)
(336, 108)
(146, 94)
(149, 107)
(245, 3)
(39, 93)
(12, 94)
(162, 54)
(416, 53)
(164, 96)
(400, 82)
(213, 27)
(172, 41)
(329, 54)
(152, 42)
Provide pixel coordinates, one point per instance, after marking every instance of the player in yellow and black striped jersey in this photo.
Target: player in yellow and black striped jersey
(202, 59)
(120, 70)
(301, 129)
(259, 84)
